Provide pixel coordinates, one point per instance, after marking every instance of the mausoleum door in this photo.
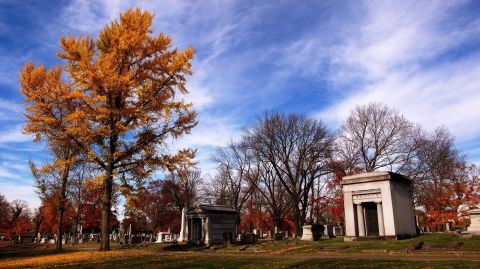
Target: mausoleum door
(196, 229)
(371, 219)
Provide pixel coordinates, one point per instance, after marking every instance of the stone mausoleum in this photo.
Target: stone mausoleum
(210, 224)
(378, 204)
(474, 228)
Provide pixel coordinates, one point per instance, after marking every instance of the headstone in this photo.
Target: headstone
(249, 238)
(163, 237)
(312, 232)
(279, 236)
(328, 231)
(258, 232)
(337, 231)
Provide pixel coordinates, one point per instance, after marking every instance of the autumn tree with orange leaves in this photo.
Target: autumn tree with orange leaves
(120, 101)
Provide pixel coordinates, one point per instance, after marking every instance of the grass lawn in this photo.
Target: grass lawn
(332, 253)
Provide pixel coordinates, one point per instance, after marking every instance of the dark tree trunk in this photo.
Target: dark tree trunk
(297, 221)
(278, 222)
(38, 221)
(61, 206)
(107, 203)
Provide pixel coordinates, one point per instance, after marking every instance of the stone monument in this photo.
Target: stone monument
(312, 232)
(183, 226)
(378, 204)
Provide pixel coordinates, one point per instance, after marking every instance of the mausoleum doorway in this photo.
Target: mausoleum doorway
(196, 229)
(371, 219)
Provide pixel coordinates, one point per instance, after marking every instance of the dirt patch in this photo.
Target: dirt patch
(287, 249)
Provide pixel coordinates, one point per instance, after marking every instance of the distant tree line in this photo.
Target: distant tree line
(288, 167)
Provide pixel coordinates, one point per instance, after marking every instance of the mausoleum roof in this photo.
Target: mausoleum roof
(374, 176)
(212, 209)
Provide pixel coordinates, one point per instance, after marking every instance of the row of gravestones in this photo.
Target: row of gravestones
(312, 232)
(66, 239)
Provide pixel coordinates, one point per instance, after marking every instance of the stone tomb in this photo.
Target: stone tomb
(474, 228)
(211, 224)
(312, 232)
(378, 204)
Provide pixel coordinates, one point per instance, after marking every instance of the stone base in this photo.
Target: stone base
(312, 232)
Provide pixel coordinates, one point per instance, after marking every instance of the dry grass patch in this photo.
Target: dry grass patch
(81, 257)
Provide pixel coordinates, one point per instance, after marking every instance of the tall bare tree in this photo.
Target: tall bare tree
(185, 184)
(297, 149)
(440, 177)
(268, 184)
(234, 166)
(376, 137)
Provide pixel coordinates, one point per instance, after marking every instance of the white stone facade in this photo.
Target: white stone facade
(474, 227)
(378, 204)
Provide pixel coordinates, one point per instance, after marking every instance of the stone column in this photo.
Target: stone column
(207, 230)
(381, 223)
(183, 225)
(360, 220)
(203, 230)
(189, 230)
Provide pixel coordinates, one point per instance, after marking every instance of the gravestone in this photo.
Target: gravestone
(312, 232)
(279, 236)
(258, 232)
(249, 238)
(328, 231)
(338, 231)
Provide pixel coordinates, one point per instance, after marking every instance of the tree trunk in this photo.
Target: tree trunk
(107, 202)
(61, 205)
(38, 221)
(278, 222)
(59, 228)
(297, 221)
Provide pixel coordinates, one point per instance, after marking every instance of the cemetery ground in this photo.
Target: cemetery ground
(327, 253)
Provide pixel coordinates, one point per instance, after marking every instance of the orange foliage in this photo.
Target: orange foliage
(120, 102)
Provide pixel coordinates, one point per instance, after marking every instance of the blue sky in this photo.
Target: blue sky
(319, 58)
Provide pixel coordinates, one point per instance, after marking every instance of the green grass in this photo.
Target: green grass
(278, 254)
(470, 244)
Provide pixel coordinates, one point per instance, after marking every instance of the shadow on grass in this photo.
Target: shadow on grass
(4, 254)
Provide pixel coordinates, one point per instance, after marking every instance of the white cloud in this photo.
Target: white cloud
(13, 134)
(13, 191)
(390, 60)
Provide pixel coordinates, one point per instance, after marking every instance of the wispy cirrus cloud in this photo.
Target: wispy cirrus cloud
(410, 55)
(319, 58)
